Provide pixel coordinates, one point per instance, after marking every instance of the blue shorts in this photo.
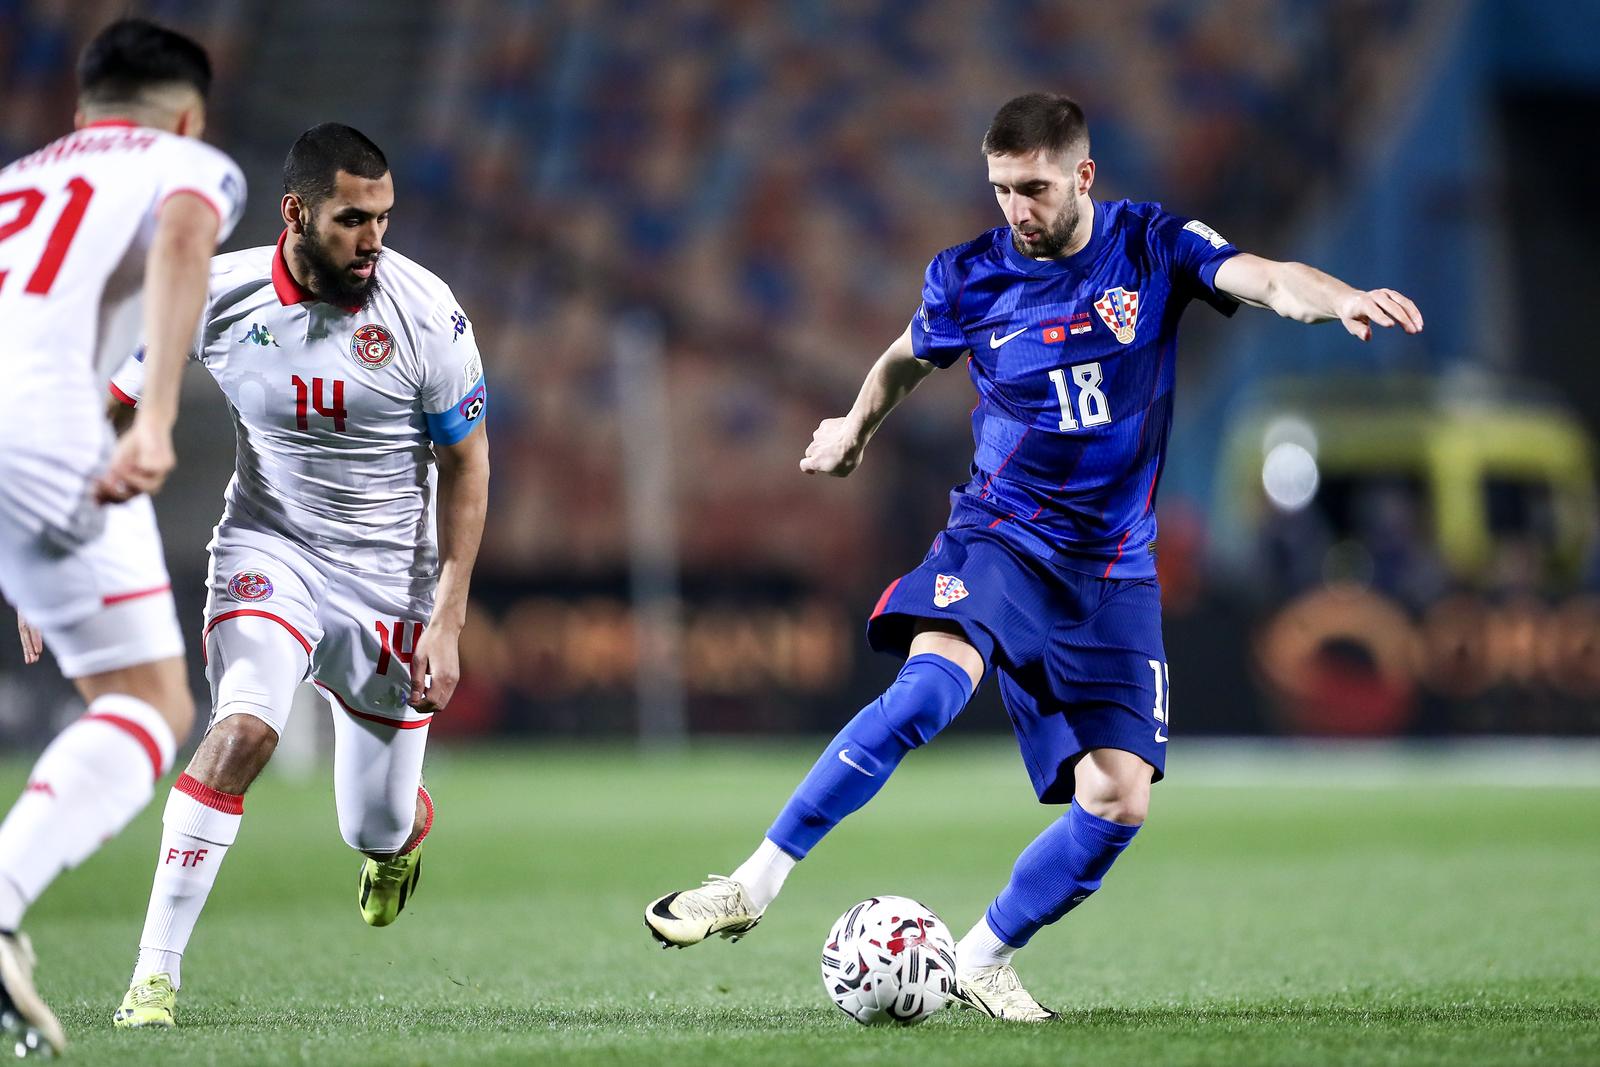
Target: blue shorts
(1079, 658)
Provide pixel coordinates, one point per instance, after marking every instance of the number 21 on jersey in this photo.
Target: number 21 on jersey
(28, 202)
(1092, 409)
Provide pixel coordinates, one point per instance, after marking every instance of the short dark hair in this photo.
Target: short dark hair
(132, 55)
(1027, 123)
(315, 160)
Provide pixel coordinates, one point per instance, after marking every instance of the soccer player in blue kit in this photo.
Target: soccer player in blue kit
(1045, 574)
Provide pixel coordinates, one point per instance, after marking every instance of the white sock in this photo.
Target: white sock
(200, 823)
(763, 874)
(12, 905)
(982, 947)
(88, 784)
(159, 961)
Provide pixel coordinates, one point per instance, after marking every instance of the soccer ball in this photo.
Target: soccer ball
(889, 960)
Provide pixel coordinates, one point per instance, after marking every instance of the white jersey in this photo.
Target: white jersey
(336, 410)
(76, 221)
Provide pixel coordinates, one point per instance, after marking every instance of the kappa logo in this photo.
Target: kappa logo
(250, 586)
(458, 323)
(1119, 310)
(947, 589)
(259, 335)
(372, 346)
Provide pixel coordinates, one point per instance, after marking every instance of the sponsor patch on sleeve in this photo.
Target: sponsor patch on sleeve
(1200, 229)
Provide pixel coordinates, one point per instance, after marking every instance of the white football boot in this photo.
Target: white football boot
(26, 1020)
(997, 992)
(720, 906)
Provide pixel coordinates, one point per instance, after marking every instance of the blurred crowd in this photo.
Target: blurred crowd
(766, 182)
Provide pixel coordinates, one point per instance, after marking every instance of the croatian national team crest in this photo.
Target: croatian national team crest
(947, 589)
(1119, 310)
(372, 346)
(250, 586)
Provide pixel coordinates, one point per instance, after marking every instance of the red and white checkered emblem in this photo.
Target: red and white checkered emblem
(1119, 310)
(947, 589)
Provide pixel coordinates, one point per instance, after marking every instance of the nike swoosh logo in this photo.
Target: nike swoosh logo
(844, 758)
(1159, 738)
(996, 342)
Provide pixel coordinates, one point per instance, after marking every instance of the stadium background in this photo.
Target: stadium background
(683, 231)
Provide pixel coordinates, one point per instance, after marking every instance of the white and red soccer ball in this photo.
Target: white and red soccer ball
(889, 960)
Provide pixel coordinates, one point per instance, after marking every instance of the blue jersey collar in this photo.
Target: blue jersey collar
(1080, 260)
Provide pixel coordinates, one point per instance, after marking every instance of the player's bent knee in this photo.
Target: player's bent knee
(376, 832)
(1118, 802)
(926, 697)
(241, 734)
(235, 749)
(949, 642)
(162, 684)
(1129, 809)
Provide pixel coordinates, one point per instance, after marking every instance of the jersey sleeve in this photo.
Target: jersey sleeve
(935, 335)
(127, 384)
(209, 174)
(1190, 251)
(455, 397)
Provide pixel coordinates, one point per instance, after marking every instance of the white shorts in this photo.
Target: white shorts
(92, 579)
(358, 632)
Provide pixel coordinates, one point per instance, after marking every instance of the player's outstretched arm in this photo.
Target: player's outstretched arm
(177, 271)
(1306, 294)
(463, 501)
(837, 444)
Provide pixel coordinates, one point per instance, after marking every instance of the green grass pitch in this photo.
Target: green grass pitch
(1298, 917)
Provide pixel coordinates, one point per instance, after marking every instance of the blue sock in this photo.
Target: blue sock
(1056, 873)
(929, 692)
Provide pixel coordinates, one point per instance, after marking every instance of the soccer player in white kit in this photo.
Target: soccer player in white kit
(351, 374)
(104, 232)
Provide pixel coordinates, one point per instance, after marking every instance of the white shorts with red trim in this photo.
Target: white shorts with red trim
(94, 582)
(358, 632)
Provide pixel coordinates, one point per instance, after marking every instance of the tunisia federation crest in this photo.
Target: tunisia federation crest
(372, 347)
(947, 589)
(250, 586)
(1119, 310)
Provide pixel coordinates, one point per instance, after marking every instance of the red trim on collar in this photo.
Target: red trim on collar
(290, 291)
(108, 122)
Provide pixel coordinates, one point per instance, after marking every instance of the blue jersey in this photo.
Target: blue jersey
(1073, 362)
